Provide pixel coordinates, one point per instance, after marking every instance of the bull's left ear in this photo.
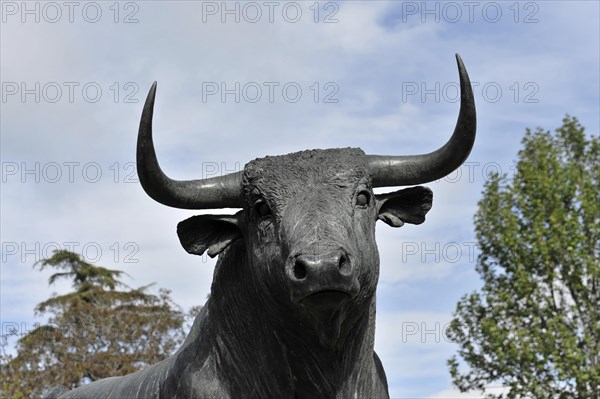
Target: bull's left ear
(209, 232)
(404, 206)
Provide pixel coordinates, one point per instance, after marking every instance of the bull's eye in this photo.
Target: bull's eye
(262, 208)
(362, 199)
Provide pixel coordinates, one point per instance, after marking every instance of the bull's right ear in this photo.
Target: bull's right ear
(209, 232)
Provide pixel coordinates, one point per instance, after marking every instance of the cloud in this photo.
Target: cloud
(453, 393)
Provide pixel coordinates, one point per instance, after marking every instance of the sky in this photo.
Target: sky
(241, 80)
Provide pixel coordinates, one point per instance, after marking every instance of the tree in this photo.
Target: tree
(535, 325)
(94, 332)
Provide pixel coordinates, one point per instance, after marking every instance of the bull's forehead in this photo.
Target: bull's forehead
(278, 175)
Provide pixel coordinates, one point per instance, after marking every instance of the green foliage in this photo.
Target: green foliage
(94, 332)
(535, 325)
(83, 274)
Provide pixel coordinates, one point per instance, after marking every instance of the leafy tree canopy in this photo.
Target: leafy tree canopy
(535, 325)
(103, 328)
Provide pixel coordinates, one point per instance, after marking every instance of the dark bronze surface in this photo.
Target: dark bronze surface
(291, 312)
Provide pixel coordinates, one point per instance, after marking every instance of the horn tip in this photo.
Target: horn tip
(149, 105)
(459, 61)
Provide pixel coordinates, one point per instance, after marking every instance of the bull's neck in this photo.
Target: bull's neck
(261, 351)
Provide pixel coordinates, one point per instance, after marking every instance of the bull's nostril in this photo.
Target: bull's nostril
(344, 265)
(299, 271)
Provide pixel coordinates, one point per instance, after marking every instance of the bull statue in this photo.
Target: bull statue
(291, 312)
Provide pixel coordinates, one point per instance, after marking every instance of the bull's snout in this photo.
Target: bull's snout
(321, 265)
(331, 273)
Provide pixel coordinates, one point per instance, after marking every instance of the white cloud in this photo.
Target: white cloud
(456, 394)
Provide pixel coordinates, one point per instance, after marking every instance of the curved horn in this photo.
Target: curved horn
(215, 192)
(416, 169)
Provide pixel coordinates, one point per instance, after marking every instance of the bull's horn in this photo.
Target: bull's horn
(416, 169)
(215, 192)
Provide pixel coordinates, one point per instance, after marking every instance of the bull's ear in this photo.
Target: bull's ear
(404, 206)
(208, 232)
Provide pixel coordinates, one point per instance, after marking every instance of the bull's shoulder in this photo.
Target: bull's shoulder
(194, 380)
(141, 384)
(97, 389)
(194, 367)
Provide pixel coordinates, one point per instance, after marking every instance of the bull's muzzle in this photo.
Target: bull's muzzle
(318, 280)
